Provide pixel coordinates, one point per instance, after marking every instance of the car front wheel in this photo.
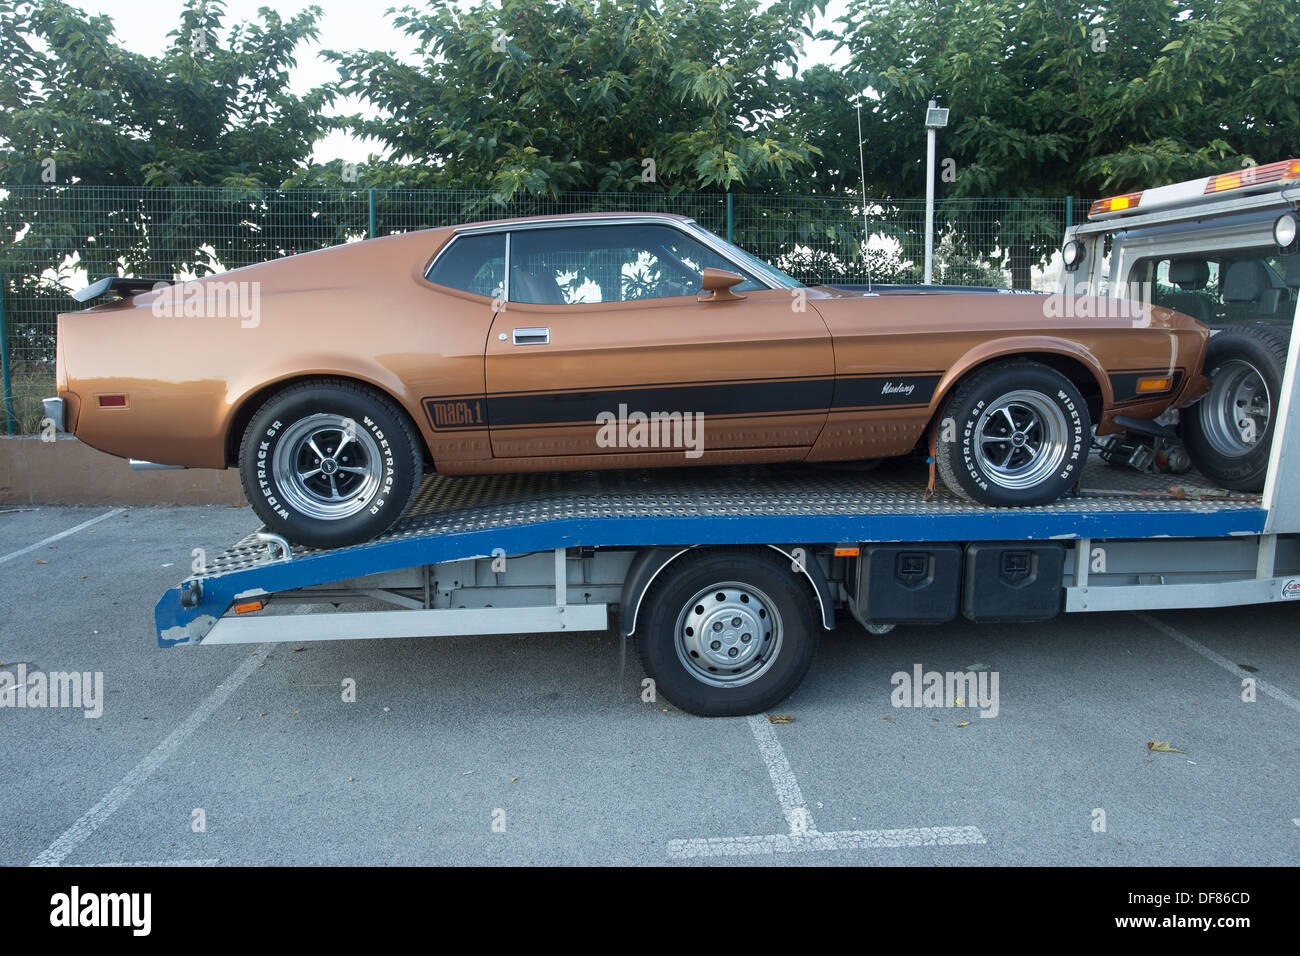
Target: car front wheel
(1015, 433)
(329, 464)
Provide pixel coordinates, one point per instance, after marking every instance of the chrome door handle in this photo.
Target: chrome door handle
(532, 337)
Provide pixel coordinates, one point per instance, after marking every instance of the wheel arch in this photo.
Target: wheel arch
(247, 406)
(1072, 360)
(648, 563)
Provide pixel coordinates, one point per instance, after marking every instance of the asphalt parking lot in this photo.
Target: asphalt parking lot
(535, 750)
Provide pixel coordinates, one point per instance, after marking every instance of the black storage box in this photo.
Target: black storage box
(1013, 580)
(908, 583)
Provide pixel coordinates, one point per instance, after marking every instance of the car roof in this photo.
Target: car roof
(489, 224)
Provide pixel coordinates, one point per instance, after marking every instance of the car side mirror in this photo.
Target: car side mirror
(717, 284)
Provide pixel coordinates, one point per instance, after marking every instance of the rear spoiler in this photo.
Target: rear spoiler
(119, 285)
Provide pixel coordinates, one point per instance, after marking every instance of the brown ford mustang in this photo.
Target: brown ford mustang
(333, 379)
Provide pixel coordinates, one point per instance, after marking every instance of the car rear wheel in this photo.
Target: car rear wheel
(328, 464)
(1228, 432)
(1014, 433)
(727, 633)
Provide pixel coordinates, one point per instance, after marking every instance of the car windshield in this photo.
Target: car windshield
(767, 270)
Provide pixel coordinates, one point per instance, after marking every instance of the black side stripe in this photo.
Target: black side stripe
(885, 391)
(727, 399)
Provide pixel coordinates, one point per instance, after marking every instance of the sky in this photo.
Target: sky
(142, 26)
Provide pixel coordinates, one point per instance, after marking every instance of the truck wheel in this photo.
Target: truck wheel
(1014, 433)
(728, 632)
(1229, 431)
(329, 464)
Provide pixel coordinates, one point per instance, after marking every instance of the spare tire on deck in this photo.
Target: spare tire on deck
(1228, 432)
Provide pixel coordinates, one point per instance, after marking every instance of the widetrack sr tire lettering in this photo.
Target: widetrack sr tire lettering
(400, 458)
(960, 468)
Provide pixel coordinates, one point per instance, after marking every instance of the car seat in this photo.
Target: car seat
(1247, 286)
(1191, 276)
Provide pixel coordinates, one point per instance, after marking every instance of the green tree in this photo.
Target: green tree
(520, 97)
(212, 109)
(1052, 98)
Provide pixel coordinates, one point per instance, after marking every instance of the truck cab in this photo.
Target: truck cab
(1222, 249)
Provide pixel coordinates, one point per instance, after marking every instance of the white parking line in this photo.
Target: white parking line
(804, 836)
(154, 863)
(840, 840)
(62, 534)
(1279, 695)
(784, 783)
(91, 820)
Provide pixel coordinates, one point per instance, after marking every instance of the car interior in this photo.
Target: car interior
(1247, 287)
(577, 265)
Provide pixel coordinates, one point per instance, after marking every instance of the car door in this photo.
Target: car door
(605, 345)
(465, 285)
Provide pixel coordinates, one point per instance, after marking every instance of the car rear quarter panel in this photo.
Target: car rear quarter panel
(361, 311)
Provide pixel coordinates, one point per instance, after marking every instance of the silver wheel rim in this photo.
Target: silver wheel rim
(1236, 412)
(728, 634)
(1020, 439)
(326, 467)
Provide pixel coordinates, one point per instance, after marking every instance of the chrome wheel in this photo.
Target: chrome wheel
(326, 467)
(728, 634)
(1236, 412)
(1021, 439)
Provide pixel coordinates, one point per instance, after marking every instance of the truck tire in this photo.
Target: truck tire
(329, 464)
(728, 632)
(1014, 433)
(1229, 431)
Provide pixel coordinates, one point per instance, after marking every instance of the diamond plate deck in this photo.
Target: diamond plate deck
(447, 505)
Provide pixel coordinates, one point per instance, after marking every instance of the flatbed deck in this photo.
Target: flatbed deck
(455, 518)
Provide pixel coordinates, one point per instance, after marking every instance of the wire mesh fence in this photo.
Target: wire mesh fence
(55, 239)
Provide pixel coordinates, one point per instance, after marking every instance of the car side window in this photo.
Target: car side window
(472, 264)
(573, 265)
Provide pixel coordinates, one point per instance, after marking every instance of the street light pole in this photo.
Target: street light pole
(935, 119)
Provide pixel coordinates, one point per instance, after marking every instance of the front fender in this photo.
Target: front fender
(1017, 346)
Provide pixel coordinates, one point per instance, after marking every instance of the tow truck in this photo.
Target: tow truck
(724, 578)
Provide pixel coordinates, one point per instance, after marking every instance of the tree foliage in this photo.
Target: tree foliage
(212, 108)
(1071, 97)
(536, 98)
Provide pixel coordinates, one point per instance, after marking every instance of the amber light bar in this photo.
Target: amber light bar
(1115, 203)
(1254, 175)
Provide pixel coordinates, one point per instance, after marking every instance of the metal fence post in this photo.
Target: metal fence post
(1069, 211)
(731, 219)
(372, 212)
(11, 423)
